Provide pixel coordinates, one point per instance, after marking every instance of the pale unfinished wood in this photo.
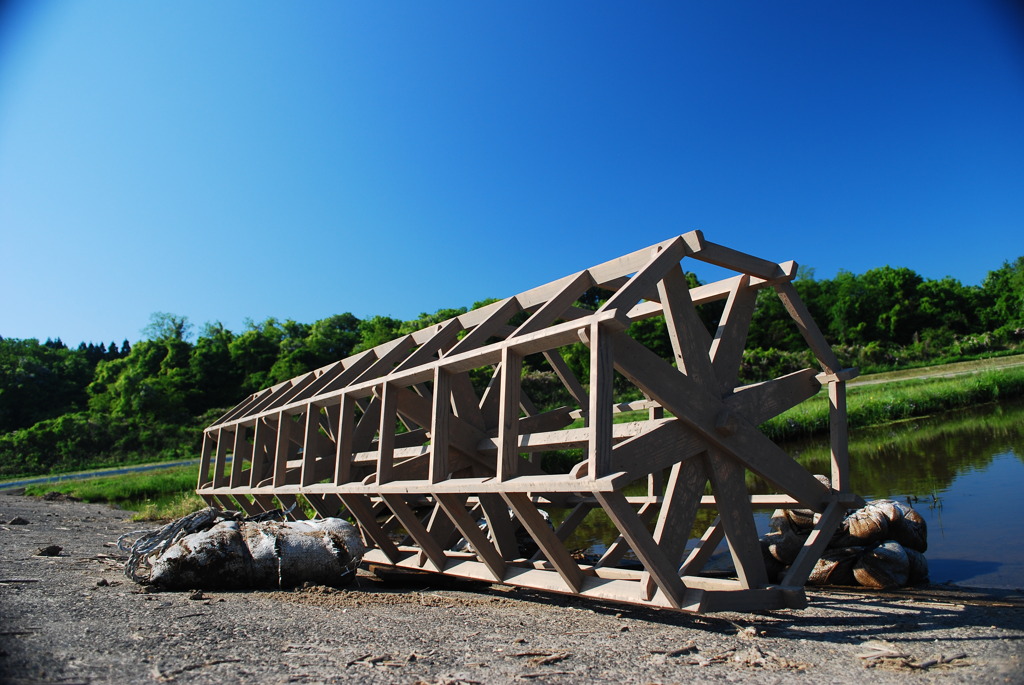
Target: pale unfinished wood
(399, 436)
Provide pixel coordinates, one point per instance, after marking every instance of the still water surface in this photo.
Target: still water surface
(962, 471)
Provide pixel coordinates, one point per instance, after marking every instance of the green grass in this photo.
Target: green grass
(170, 493)
(153, 495)
(872, 405)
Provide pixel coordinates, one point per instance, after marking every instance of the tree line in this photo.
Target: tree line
(64, 408)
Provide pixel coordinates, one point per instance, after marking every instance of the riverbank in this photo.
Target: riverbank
(895, 396)
(874, 400)
(76, 618)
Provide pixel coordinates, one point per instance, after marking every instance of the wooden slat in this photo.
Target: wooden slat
(386, 434)
(496, 320)
(808, 329)
(729, 485)
(545, 538)
(482, 547)
(719, 255)
(508, 415)
(731, 336)
(705, 549)
(815, 544)
(762, 401)
(346, 435)
(567, 377)
(690, 340)
(465, 403)
(362, 511)
(368, 425)
(643, 545)
(444, 335)
(499, 522)
(620, 545)
(310, 446)
(602, 358)
(263, 441)
(354, 367)
(553, 309)
(439, 426)
(427, 544)
(388, 355)
(645, 281)
(675, 520)
(221, 458)
(838, 439)
(204, 457)
(240, 451)
(281, 447)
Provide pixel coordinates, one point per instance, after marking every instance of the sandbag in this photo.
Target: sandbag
(216, 550)
(880, 545)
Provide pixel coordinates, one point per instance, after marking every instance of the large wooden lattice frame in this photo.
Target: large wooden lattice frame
(398, 439)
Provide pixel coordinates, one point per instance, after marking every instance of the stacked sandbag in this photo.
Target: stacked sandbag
(881, 545)
(228, 552)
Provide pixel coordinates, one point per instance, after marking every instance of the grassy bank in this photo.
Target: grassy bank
(879, 403)
(152, 494)
(170, 493)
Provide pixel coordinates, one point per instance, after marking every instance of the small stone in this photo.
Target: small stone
(18, 521)
(198, 594)
(102, 582)
(49, 551)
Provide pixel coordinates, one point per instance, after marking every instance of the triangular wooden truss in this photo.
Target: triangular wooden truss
(400, 440)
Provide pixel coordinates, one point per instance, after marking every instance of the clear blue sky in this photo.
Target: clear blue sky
(234, 160)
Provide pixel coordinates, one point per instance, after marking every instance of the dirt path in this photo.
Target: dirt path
(940, 371)
(74, 618)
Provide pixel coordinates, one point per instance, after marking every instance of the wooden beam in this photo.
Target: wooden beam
(483, 548)
(613, 555)
(362, 511)
(838, 439)
(240, 451)
(690, 340)
(602, 372)
(386, 433)
(545, 538)
(762, 401)
(645, 281)
(572, 288)
(497, 319)
(407, 517)
(567, 377)
(729, 485)
(731, 336)
(700, 411)
(439, 426)
(675, 521)
(508, 415)
(808, 329)
(346, 436)
(646, 549)
(800, 570)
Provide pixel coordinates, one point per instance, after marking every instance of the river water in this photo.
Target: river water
(962, 471)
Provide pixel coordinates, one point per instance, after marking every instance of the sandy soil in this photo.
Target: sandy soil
(74, 618)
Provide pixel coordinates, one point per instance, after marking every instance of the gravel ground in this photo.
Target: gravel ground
(74, 618)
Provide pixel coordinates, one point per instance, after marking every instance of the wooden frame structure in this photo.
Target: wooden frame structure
(400, 439)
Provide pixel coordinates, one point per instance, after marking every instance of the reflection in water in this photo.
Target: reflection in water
(962, 471)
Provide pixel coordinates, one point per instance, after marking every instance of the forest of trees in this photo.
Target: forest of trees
(64, 408)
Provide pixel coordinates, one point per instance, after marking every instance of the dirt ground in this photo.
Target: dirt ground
(74, 618)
